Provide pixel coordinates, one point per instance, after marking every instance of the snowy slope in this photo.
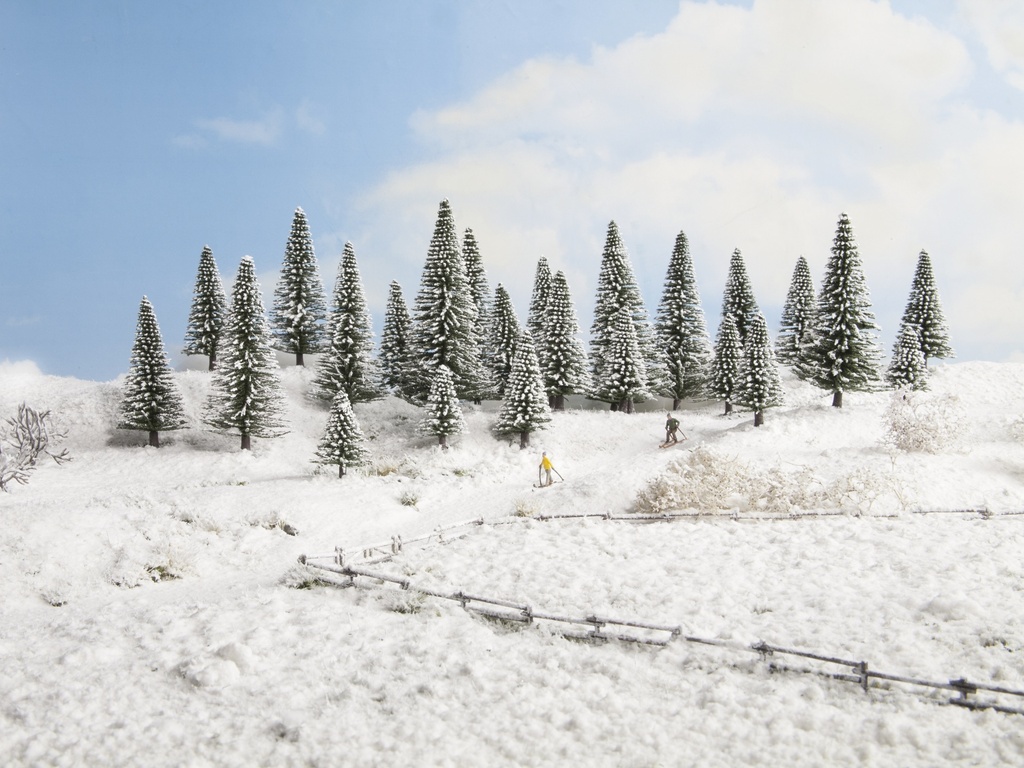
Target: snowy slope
(150, 614)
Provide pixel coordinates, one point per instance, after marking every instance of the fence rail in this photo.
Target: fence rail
(605, 628)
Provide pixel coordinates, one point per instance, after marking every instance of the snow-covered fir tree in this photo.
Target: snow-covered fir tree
(845, 357)
(617, 289)
(726, 375)
(503, 333)
(738, 299)
(762, 386)
(479, 289)
(624, 381)
(539, 300)
(797, 321)
(907, 368)
(444, 317)
(343, 440)
(442, 412)
(246, 395)
(681, 328)
(525, 409)
(348, 364)
(924, 312)
(564, 366)
(151, 400)
(209, 308)
(300, 308)
(396, 373)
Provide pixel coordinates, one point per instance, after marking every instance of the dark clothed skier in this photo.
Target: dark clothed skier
(671, 427)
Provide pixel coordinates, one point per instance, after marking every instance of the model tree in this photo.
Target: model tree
(343, 440)
(624, 379)
(209, 307)
(395, 372)
(738, 299)
(479, 290)
(924, 312)
(797, 321)
(761, 386)
(151, 400)
(442, 413)
(725, 379)
(564, 366)
(300, 307)
(503, 333)
(846, 356)
(525, 409)
(681, 328)
(907, 368)
(348, 363)
(444, 317)
(617, 289)
(539, 298)
(246, 394)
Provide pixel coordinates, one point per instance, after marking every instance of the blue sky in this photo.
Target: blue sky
(132, 134)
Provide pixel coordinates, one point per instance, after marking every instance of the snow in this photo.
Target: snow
(150, 613)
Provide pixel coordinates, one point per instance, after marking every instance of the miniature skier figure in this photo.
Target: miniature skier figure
(545, 469)
(671, 427)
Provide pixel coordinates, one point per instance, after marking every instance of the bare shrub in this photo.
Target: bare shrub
(23, 440)
(923, 422)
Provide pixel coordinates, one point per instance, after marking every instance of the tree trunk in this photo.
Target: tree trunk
(837, 399)
(626, 405)
(524, 440)
(246, 443)
(341, 469)
(213, 361)
(614, 406)
(154, 438)
(442, 440)
(299, 359)
(758, 418)
(675, 403)
(559, 404)
(728, 407)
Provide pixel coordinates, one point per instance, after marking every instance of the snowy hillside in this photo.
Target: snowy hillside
(152, 613)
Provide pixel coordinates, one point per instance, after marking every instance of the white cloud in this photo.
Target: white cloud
(1000, 26)
(750, 128)
(266, 130)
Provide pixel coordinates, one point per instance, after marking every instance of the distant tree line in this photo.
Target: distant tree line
(462, 343)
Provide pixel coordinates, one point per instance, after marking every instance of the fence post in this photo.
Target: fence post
(964, 688)
(863, 675)
(339, 557)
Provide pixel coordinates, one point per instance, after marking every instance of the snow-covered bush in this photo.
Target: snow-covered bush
(23, 439)
(706, 481)
(923, 422)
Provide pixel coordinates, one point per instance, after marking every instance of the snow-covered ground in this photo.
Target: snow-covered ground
(151, 613)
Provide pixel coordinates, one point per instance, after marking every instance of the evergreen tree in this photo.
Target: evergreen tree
(209, 307)
(681, 328)
(539, 301)
(762, 387)
(797, 323)
(348, 363)
(624, 372)
(300, 307)
(342, 443)
(726, 379)
(395, 368)
(476, 279)
(443, 413)
(151, 401)
(738, 299)
(907, 367)
(444, 316)
(246, 396)
(565, 361)
(846, 356)
(525, 409)
(924, 312)
(504, 332)
(617, 289)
